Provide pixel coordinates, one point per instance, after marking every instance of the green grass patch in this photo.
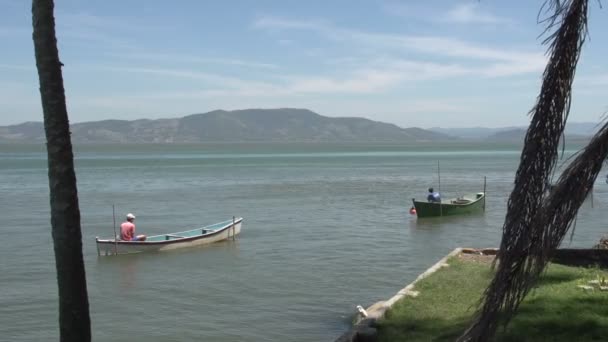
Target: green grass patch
(556, 310)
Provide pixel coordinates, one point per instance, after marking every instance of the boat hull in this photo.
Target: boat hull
(204, 235)
(471, 204)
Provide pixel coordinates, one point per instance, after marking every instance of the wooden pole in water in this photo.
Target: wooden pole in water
(484, 193)
(233, 229)
(115, 238)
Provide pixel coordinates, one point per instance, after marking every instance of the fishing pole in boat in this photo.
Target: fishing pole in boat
(439, 181)
(115, 235)
(484, 193)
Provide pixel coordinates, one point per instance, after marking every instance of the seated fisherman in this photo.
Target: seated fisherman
(127, 230)
(433, 196)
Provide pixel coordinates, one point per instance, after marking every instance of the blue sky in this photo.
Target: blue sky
(412, 63)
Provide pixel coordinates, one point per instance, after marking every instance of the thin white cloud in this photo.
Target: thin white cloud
(397, 71)
(185, 58)
(599, 79)
(269, 22)
(368, 81)
(470, 13)
(213, 79)
(91, 38)
(591, 85)
(457, 48)
(513, 68)
(87, 31)
(409, 10)
(377, 75)
(118, 37)
(14, 31)
(381, 75)
(212, 85)
(18, 67)
(17, 95)
(421, 71)
(441, 46)
(90, 30)
(14, 3)
(463, 13)
(105, 23)
(365, 81)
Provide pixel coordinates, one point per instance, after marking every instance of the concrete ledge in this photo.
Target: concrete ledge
(364, 328)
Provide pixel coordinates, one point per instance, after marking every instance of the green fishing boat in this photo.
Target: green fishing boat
(466, 204)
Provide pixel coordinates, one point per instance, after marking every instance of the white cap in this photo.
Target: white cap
(130, 216)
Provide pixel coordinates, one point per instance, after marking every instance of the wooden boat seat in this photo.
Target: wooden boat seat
(168, 236)
(461, 201)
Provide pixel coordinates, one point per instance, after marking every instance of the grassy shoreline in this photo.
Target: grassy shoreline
(556, 310)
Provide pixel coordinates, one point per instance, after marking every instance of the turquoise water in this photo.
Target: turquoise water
(326, 228)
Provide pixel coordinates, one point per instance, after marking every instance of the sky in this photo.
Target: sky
(458, 63)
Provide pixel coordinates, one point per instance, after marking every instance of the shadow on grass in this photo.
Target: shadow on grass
(580, 318)
(555, 278)
(542, 319)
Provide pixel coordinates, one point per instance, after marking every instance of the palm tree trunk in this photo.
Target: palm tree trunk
(74, 321)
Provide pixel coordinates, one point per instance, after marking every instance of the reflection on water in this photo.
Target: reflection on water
(452, 221)
(127, 273)
(123, 267)
(129, 268)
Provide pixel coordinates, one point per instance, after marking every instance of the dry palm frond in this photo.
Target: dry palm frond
(521, 230)
(560, 208)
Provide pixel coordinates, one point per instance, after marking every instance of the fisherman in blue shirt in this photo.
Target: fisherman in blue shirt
(433, 196)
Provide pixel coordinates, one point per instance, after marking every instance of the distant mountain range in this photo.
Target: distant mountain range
(574, 130)
(250, 125)
(269, 125)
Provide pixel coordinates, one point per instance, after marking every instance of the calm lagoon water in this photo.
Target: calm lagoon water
(326, 227)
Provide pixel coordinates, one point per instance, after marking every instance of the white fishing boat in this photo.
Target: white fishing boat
(189, 238)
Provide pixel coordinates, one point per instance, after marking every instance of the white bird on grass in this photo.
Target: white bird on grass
(362, 311)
